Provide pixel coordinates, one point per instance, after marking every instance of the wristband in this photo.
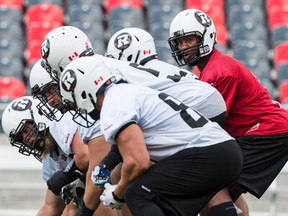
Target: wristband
(117, 198)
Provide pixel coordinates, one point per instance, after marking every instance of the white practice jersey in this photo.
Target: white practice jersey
(63, 133)
(56, 161)
(167, 124)
(170, 79)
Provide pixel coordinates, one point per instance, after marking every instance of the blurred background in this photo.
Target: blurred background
(255, 32)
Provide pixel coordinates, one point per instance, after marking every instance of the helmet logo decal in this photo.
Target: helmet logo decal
(68, 81)
(45, 48)
(203, 19)
(97, 82)
(75, 54)
(22, 104)
(123, 41)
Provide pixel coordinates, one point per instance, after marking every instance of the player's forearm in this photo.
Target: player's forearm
(92, 193)
(130, 170)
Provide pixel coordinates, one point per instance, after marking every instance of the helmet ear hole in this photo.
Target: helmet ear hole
(129, 58)
(83, 95)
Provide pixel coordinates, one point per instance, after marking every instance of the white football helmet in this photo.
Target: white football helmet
(15, 118)
(62, 45)
(133, 45)
(40, 82)
(80, 83)
(192, 22)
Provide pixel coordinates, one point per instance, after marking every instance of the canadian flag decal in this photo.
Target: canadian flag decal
(147, 52)
(98, 80)
(73, 56)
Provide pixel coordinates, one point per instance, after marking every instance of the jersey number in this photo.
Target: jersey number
(190, 116)
(175, 78)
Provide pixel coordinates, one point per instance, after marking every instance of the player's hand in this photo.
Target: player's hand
(74, 191)
(109, 198)
(100, 176)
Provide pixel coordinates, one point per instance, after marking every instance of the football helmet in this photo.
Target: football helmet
(133, 45)
(25, 127)
(62, 45)
(80, 83)
(44, 87)
(192, 22)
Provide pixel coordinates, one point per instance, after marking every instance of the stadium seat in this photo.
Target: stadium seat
(159, 31)
(275, 3)
(111, 4)
(38, 30)
(11, 68)
(222, 48)
(260, 68)
(248, 31)
(44, 13)
(153, 3)
(283, 92)
(10, 14)
(246, 50)
(11, 49)
(95, 30)
(164, 53)
(268, 84)
(282, 73)
(29, 3)
(216, 13)
(12, 3)
(162, 14)
(33, 51)
(279, 34)
(11, 30)
(99, 47)
(124, 17)
(197, 3)
(91, 3)
(11, 88)
(246, 13)
(85, 13)
(229, 3)
(222, 34)
(277, 16)
(4, 102)
(280, 54)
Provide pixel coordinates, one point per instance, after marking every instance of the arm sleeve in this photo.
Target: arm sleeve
(112, 158)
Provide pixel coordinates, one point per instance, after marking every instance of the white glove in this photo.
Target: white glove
(109, 199)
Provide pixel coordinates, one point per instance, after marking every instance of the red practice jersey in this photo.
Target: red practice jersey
(250, 109)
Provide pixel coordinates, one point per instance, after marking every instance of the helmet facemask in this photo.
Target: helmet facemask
(51, 112)
(34, 140)
(79, 116)
(178, 54)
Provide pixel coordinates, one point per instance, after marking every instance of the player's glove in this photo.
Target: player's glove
(58, 180)
(61, 178)
(100, 176)
(109, 198)
(82, 210)
(74, 191)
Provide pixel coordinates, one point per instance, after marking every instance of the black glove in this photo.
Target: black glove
(61, 178)
(58, 180)
(83, 210)
(74, 191)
